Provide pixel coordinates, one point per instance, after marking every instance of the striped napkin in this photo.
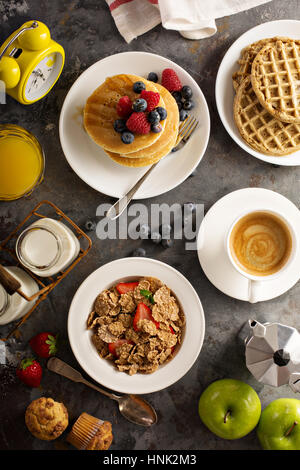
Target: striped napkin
(194, 19)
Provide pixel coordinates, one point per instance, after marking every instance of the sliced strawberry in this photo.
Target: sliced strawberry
(124, 287)
(143, 313)
(112, 347)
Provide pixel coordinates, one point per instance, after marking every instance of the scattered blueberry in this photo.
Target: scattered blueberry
(152, 76)
(177, 95)
(144, 231)
(186, 92)
(167, 242)
(183, 115)
(179, 104)
(120, 125)
(90, 225)
(139, 105)
(154, 117)
(166, 230)
(190, 207)
(127, 137)
(162, 112)
(139, 252)
(138, 87)
(189, 104)
(156, 237)
(156, 128)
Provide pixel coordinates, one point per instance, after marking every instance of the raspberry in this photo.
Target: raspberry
(124, 107)
(170, 80)
(138, 123)
(152, 99)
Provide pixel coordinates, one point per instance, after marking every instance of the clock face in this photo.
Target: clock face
(43, 76)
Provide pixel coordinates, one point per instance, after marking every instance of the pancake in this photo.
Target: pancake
(161, 147)
(100, 113)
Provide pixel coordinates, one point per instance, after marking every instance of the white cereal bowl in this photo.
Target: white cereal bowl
(102, 370)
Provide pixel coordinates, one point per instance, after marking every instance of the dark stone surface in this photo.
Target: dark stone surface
(87, 32)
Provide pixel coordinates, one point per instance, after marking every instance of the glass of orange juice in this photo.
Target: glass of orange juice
(22, 162)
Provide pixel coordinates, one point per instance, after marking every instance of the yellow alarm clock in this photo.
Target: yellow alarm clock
(30, 62)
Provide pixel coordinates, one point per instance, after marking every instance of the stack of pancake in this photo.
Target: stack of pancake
(100, 114)
(267, 101)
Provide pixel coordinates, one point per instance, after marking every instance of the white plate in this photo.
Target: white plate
(211, 242)
(225, 92)
(102, 370)
(90, 162)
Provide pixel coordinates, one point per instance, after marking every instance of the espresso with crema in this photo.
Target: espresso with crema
(260, 243)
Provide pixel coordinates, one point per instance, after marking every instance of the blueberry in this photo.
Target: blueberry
(183, 115)
(167, 242)
(144, 231)
(139, 105)
(90, 225)
(179, 104)
(152, 76)
(177, 95)
(154, 117)
(156, 128)
(138, 87)
(156, 237)
(127, 137)
(162, 112)
(189, 104)
(120, 125)
(186, 92)
(139, 252)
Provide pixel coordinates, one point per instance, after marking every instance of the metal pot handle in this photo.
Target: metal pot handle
(294, 381)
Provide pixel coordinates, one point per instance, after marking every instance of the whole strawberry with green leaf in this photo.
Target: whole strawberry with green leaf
(30, 372)
(44, 344)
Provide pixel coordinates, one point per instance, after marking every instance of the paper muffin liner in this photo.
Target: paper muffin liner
(83, 430)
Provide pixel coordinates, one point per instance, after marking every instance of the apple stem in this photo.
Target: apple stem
(227, 414)
(290, 429)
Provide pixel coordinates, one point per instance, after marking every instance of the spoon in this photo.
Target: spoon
(132, 407)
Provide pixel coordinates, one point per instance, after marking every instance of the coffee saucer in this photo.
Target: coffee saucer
(211, 246)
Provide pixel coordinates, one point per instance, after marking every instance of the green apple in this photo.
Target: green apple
(279, 425)
(229, 408)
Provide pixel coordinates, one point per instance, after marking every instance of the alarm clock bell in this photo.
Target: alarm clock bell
(30, 62)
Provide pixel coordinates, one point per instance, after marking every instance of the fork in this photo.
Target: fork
(185, 131)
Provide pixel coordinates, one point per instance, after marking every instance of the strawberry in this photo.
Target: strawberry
(44, 344)
(30, 372)
(152, 99)
(138, 123)
(112, 347)
(170, 80)
(124, 107)
(124, 287)
(143, 313)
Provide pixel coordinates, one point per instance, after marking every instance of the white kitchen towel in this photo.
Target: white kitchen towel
(194, 19)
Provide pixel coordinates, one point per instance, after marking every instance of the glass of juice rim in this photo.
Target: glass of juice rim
(22, 162)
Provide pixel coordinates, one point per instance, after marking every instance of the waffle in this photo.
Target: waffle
(275, 77)
(259, 128)
(161, 147)
(100, 113)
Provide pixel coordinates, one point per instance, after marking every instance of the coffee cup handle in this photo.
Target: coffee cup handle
(254, 291)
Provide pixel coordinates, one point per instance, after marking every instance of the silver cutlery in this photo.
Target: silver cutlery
(134, 408)
(185, 131)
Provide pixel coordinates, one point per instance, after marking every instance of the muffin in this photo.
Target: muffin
(89, 433)
(46, 419)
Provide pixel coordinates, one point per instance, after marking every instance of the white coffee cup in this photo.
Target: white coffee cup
(256, 282)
